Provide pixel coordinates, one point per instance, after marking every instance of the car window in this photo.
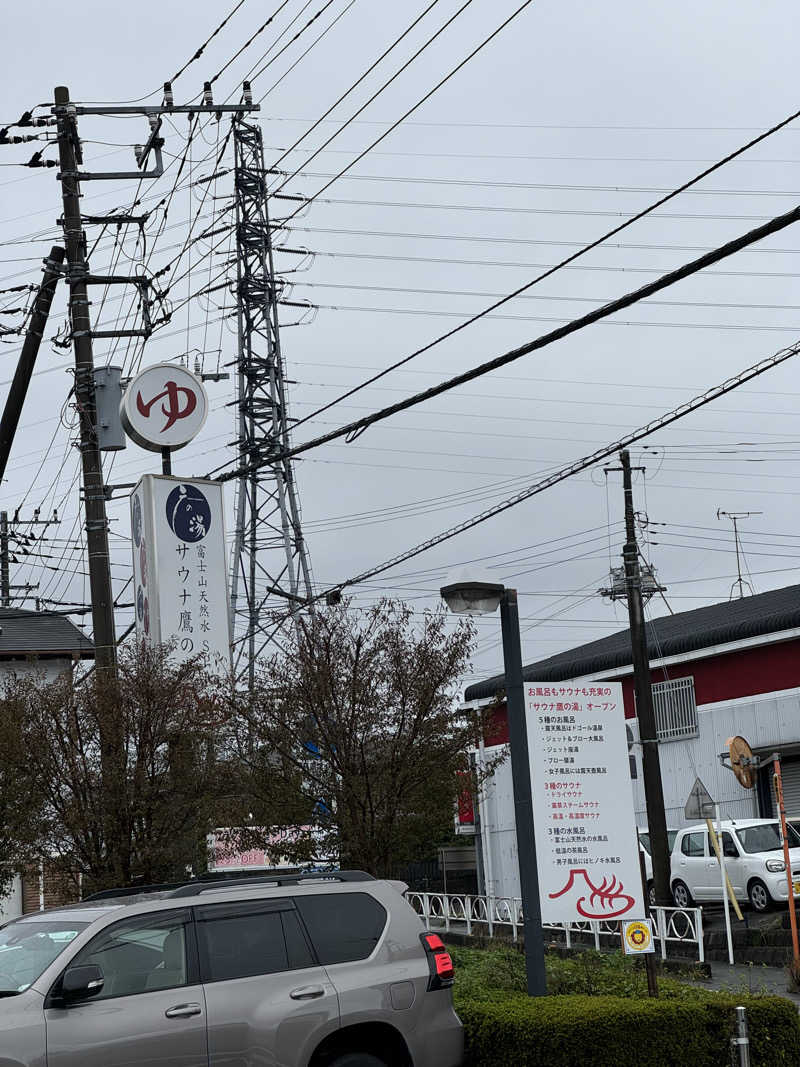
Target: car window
(694, 844)
(140, 955)
(239, 941)
(28, 948)
(644, 837)
(729, 845)
(342, 926)
(766, 837)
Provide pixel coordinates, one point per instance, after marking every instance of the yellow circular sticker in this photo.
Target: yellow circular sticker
(638, 937)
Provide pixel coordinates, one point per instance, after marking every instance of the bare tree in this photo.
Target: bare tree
(116, 779)
(359, 714)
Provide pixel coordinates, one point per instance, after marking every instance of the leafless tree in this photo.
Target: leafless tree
(359, 715)
(118, 778)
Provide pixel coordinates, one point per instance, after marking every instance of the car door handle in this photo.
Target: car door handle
(307, 992)
(183, 1011)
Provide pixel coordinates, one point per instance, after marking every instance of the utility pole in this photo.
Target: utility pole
(9, 534)
(93, 488)
(27, 357)
(5, 592)
(651, 764)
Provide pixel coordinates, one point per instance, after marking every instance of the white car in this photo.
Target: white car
(644, 848)
(753, 862)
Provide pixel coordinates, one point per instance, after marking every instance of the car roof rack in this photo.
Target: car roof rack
(212, 880)
(132, 891)
(277, 877)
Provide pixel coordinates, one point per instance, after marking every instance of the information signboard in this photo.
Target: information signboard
(587, 846)
(179, 567)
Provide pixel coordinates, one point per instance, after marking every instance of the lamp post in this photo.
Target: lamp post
(465, 595)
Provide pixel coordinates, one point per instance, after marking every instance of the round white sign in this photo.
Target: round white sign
(164, 406)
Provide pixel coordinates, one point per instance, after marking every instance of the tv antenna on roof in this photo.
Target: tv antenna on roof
(740, 582)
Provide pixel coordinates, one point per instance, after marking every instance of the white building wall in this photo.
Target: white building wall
(11, 905)
(767, 720)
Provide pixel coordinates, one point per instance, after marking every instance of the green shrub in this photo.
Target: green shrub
(598, 1013)
(483, 973)
(595, 1031)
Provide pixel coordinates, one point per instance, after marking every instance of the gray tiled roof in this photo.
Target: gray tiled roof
(671, 635)
(40, 633)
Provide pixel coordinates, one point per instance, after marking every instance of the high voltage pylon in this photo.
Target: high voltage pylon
(270, 568)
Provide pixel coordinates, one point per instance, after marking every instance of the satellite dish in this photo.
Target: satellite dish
(742, 761)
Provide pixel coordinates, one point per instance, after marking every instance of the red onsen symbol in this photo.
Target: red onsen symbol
(612, 900)
(172, 408)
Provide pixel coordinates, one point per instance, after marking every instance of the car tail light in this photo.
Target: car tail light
(442, 972)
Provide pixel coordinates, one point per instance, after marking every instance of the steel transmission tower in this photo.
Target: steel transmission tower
(270, 567)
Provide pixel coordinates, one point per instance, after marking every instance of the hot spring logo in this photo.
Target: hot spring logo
(188, 513)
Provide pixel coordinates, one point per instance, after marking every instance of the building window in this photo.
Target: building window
(675, 709)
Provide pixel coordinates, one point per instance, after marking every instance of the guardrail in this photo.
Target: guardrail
(671, 926)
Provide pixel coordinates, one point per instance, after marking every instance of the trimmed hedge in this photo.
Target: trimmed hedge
(595, 1031)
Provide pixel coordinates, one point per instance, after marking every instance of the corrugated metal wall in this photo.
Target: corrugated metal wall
(762, 720)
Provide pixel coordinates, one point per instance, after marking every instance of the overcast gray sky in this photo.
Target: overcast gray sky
(576, 116)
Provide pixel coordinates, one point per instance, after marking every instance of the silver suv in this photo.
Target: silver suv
(330, 970)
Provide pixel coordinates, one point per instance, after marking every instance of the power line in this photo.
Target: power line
(355, 428)
(571, 258)
(419, 103)
(355, 85)
(207, 41)
(248, 42)
(582, 464)
(468, 293)
(296, 37)
(498, 209)
(303, 55)
(550, 186)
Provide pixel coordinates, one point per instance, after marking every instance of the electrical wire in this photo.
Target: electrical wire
(354, 86)
(575, 255)
(583, 464)
(666, 280)
(419, 103)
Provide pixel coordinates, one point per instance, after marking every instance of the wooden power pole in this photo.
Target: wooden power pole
(651, 764)
(81, 327)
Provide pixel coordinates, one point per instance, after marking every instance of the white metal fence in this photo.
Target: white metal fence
(671, 926)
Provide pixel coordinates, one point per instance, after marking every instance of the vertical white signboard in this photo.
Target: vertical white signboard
(587, 847)
(179, 566)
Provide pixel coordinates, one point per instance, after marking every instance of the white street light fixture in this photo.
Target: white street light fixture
(470, 592)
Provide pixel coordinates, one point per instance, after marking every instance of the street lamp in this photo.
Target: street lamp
(473, 593)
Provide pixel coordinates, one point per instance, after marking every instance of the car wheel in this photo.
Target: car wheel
(681, 895)
(357, 1059)
(758, 894)
(651, 894)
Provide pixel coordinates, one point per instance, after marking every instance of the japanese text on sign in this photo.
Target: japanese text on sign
(586, 841)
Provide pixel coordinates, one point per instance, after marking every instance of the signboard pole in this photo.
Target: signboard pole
(720, 851)
(649, 960)
(776, 762)
(166, 461)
